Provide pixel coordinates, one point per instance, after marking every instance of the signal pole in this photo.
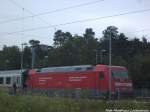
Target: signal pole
(110, 66)
(33, 57)
(96, 57)
(22, 53)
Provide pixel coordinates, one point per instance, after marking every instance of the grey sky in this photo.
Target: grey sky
(126, 23)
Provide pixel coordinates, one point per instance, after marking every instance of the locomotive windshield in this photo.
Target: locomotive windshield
(119, 74)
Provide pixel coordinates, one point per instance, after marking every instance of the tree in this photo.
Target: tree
(27, 57)
(34, 42)
(10, 58)
(75, 49)
(139, 71)
(144, 40)
(90, 44)
(61, 37)
(110, 31)
(39, 53)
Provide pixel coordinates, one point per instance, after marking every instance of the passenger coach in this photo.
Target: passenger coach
(7, 78)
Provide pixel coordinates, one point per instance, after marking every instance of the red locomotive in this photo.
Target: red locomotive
(83, 78)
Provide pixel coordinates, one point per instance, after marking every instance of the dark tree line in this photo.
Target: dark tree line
(76, 49)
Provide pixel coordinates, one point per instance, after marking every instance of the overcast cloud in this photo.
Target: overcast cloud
(128, 24)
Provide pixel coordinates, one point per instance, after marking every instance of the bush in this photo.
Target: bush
(28, 103)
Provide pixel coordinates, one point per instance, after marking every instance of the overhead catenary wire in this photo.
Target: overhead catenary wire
(28, 11)
(147, 29)
(79, 21)
(48, 12)
(31, 35)
(137, 31)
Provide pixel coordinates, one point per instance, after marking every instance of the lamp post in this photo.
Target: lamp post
(95, 51)
(45, 60)
(96, 56)
(33, 57)
(101, 54)
(6, 63)
(110, 66)
(23, 44)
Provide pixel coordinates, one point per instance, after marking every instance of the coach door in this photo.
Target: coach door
(24, 78)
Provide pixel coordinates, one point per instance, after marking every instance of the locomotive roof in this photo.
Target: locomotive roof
(67, 68)
(76, 68)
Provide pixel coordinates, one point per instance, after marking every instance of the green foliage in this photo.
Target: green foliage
(34, 42)
(74, 50)
(10, 58)
(55, 104)
(46, 104)
(60, 38)
(140, 70)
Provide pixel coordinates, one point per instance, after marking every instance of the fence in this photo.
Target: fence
(138, 93)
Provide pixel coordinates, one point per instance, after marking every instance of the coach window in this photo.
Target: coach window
(1, 80)
(78, 68)
(101, 75)
(8, 80)
(18, 80)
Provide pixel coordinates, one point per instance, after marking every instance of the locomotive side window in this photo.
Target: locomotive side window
(8, 80)
(1, 80)
(101, 75)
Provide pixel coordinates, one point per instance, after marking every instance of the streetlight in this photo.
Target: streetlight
(96, 56)
(6, 61)
(110, 66)
(33, 57)
(45, 60)
(23, 44)
(101, 54)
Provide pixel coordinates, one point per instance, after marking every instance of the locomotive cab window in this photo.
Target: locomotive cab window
(1, 80)
(101, 75)
(119, 74)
